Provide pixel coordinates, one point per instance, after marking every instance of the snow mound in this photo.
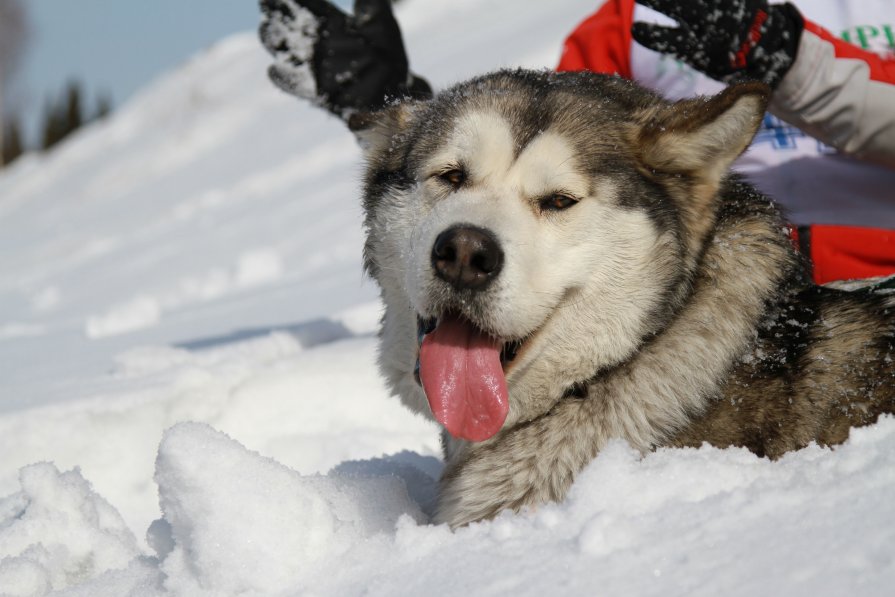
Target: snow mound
(57, 532)
(236, 522)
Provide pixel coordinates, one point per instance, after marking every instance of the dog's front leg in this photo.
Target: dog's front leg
(531, 464)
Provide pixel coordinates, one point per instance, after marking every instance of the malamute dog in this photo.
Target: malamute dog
(566, 259)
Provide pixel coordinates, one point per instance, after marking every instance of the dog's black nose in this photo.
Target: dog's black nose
(467, 257)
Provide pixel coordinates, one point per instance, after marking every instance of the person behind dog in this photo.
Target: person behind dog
(828, 93)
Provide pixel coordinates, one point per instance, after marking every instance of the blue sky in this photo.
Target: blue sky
(116, 46)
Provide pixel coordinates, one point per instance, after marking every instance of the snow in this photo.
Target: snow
(252, 268)
(211, 490)
(689, 522)
(292, 44)
(57, 532)
(190, 405)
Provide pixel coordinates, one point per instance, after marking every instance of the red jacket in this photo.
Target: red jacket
(823, 104)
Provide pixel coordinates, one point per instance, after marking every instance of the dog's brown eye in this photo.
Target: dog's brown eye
(557, 202)
(454, 177)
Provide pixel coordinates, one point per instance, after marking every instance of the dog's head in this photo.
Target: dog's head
(529, 230)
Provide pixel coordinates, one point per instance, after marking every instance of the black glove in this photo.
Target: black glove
(345, 63)
(727, 39)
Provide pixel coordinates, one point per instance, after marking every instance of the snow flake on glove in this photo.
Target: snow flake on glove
(342, 62)
(289, 32)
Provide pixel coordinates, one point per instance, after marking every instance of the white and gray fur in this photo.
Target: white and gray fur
(643, 309)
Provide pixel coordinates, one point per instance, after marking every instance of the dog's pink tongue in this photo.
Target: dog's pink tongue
(464, 382)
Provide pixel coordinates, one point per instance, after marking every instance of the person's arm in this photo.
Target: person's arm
(841, 95)
(602, 42)
(832, 90)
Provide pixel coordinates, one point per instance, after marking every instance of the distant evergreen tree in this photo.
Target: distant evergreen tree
(53, 126)
(74, 117)
(12, 142)
(14, 31)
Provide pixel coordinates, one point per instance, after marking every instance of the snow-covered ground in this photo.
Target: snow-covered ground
(189, 403)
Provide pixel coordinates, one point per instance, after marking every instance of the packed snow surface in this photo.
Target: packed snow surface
(189, 403)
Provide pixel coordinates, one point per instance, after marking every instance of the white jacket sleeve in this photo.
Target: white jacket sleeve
(835, 100)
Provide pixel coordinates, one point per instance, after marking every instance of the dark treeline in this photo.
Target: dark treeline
(67, 114)
(62, 116)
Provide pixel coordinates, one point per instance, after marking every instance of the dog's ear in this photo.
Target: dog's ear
(689, 146)
(702, 137)
(377, 131)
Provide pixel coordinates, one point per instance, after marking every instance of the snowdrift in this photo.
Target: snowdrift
(189, 403)
(687, 522)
